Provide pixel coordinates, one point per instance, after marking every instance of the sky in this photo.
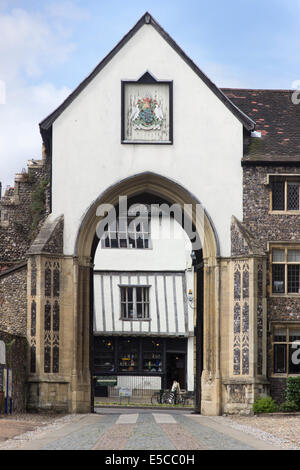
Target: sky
(47, 47)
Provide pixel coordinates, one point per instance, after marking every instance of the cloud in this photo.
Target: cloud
(31, 46)
(68, 10)
(20, 138)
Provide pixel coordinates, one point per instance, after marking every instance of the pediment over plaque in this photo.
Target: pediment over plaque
(147, 111)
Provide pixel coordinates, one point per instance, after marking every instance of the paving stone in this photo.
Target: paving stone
(115, 438)
(163, 418)
(209, 437)
(148, 435)
(181, 438)
(133, 431)
(127, 419)
(84, 438)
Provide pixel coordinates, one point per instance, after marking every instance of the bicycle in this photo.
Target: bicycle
(155, 399)
(167, 397)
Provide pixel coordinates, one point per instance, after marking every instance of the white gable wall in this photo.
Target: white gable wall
(205, 157)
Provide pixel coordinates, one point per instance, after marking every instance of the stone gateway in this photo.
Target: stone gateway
(136, 308)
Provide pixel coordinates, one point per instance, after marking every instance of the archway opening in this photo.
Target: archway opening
(150, 189)
(151, 273)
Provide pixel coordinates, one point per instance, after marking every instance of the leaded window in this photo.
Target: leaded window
(292, 196)
(285, 271)
(285, 195)
(278, 195)
(286, 349)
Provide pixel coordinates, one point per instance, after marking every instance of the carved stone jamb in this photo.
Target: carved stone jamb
(247, 332)
(80, 336)
(49, 383)
(211, 376)
(34, 400)
(35, 295)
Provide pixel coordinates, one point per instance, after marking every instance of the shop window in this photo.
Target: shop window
(286, 350)
(128, 355)
(134, 302)
(152, 355)
(104, 355)
(285, 271)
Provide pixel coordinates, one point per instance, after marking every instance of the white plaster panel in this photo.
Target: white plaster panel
(190, 364)
(170, 250)
(180, 303)
(170, 300)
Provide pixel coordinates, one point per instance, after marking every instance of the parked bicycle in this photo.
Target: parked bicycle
(169, 397)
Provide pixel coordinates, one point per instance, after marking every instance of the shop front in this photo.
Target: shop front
(142, 364)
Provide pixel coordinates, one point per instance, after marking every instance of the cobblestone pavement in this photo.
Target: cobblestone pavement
(284, 427)
(138, 430)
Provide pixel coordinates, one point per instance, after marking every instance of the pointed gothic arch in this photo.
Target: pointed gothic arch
(172, 192)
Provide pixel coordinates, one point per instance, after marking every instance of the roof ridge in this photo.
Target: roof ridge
(258, 89)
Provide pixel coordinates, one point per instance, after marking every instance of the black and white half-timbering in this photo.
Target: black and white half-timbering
(143, 320)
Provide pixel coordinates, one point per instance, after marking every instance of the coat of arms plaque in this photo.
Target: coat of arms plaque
(147, 111)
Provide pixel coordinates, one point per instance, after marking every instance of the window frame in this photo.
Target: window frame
(286, 179)
(146, 236)
(285, 263)
(134, 302)
(287, 326)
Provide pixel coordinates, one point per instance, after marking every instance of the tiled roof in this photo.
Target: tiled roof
(276, 117)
